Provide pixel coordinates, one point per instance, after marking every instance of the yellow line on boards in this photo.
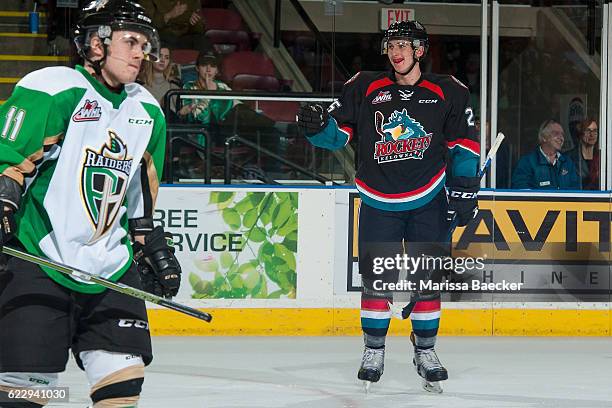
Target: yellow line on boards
(9, 80)
(19, 14)
(50, 58)
(26, 35)
(346, 322)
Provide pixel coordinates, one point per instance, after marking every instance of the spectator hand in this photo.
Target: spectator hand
(187, 109)
(178, 9)
(311, 119)
(195, 18)
(463, 199)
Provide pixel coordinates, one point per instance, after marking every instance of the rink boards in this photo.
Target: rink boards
(282, 261)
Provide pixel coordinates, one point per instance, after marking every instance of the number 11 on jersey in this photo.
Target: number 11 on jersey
(12, 125)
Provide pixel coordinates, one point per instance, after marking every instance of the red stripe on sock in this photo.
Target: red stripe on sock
(426, 306)
(380, 305)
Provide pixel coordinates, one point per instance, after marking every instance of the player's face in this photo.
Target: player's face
(163, 61)
(125, 55)
(556, 136)
(401, 54)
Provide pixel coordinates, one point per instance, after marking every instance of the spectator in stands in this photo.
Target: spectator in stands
(546, 168)
(586, 154)
(179, 23)
(161, 76)
(206, 111)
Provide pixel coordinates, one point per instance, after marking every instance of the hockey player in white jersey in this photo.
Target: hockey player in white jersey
(81, 154)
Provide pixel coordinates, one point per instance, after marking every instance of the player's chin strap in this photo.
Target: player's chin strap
(97, 64)
(97, 67)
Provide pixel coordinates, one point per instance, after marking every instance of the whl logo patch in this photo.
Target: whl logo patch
(383, 96)
(402, 137)
(88, 112)
(104, 179)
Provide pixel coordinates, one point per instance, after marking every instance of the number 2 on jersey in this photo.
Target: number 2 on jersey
(470, 116)
(13, 122)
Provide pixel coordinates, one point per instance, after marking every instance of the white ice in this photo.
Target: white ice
(321, 372)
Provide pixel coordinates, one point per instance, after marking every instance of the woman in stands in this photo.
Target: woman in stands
(586, 155)
(204, 110)
(161, 76)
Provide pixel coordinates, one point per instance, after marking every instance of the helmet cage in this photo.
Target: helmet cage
(84, 35)
(414, 43)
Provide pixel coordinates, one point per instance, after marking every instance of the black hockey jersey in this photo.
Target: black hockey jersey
(404, 133)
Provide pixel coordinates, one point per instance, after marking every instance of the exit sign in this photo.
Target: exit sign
(391, 15)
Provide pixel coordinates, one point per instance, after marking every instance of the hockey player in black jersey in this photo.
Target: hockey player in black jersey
(407, 124)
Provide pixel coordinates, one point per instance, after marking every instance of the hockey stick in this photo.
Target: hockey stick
(116, 286)
(404, 312)
(483, 170)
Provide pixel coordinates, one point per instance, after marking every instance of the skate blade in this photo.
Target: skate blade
(432, 386)
(366, 386)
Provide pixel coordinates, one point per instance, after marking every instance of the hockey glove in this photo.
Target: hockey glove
(463, 199)
(7, 224)
(311, 119)
(159, 269)
(10, 196)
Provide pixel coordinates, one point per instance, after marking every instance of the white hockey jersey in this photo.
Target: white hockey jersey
(89, 160)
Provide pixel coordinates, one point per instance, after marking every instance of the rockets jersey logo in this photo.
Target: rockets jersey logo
(402, 137)
(89, 112)
(104, 180)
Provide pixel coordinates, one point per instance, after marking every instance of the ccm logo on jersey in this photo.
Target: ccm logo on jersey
(89, 112)
(428, 101)
(463, 194)
(383, 96)
(140, 121)
(138, 324)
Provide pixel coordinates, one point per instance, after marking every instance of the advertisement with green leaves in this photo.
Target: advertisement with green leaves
(235, 244)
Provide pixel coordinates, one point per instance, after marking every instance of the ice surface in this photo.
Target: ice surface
(321, 372)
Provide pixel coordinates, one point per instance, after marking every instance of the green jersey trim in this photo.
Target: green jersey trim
(114, 98)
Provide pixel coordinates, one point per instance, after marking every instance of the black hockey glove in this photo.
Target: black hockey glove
(463, 199)
(8, 226)
(10, 196)
(159, 269)
(311, 119)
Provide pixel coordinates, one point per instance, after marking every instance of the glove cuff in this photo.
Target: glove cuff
(10, 192)
(464, 182)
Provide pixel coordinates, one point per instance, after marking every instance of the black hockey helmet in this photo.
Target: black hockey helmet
(103, 17)
(407, 30)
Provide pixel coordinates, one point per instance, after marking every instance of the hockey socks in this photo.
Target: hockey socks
(375, 319)
(425, 319)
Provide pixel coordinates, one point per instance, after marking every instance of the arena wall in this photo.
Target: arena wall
(282, 261)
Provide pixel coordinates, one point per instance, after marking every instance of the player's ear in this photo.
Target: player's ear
(420, 52)
(96, 49)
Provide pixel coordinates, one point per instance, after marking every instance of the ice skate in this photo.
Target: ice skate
(428, 366)
(372, 366)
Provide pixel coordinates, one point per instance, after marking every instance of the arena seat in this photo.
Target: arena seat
(279, 111)
(226, 30)
(249, 70)
(184, 56)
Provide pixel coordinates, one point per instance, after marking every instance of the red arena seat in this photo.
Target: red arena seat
(184, 56)
(249, 70)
